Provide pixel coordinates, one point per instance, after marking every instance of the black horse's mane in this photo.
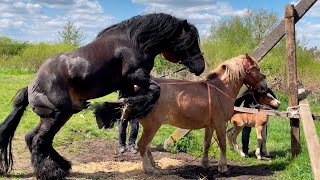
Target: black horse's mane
(157, 30)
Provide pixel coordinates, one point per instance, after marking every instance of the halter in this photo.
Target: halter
(190, 58)
(247, 70)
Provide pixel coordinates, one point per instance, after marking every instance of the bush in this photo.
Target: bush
(34, 55)
(10, 47)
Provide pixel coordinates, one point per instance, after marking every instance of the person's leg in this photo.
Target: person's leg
(245, 139)
(133, 135)
(134, 131)
(122, 136)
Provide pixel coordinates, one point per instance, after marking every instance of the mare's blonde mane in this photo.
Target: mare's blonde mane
(232, 70)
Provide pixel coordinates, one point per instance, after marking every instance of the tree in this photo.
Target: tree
(250, 28)
(71, 34)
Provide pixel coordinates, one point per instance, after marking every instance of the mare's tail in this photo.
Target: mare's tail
(8, 127)
(107, 113)
(136, 107)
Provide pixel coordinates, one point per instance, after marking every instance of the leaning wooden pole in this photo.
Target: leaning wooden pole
(310, 133)
(292, 77)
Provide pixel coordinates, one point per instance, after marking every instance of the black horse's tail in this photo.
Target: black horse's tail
(8, 127)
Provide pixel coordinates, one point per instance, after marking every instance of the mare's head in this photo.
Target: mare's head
(267, 98)
(253, 78)
(241, 69)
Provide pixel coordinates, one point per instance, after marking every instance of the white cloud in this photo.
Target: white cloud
(4, 23)
(307, 31)
(56, 3)
(315, 10)
(201, 13)
(29, 21)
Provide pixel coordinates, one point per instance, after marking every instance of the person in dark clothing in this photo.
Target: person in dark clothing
(132, 137)
(122, 136)
(249, 101)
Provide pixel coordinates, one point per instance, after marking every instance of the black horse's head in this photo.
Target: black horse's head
(176, 39)
(186, 50)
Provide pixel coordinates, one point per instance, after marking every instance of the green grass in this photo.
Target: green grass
(83, 126)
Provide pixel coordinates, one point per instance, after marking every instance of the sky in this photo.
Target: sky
(41, 20)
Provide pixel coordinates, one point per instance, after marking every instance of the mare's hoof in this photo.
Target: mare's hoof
(151, 171)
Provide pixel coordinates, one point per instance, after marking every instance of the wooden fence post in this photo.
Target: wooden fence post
(292, 77)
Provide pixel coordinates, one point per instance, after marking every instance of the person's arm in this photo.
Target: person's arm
(241, 97)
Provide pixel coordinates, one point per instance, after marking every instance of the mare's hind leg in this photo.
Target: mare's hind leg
(151, 157)
(47, 162)
(206, 145)
(150, 127)
(221, 130)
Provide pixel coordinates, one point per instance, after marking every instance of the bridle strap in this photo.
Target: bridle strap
(209, 105)
(197, 56)
(247, 70)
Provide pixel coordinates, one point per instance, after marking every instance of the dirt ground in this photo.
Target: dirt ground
(99, 159)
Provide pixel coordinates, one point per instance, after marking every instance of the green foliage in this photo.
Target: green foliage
(71, 35)
(10, 47)
(33, 56)
(188, 144)
(237, 35)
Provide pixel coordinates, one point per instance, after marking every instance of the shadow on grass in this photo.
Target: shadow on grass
(185, 172)
(273, 154)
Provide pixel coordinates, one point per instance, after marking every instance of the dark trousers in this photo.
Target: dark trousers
(245, 139)
(123, 132)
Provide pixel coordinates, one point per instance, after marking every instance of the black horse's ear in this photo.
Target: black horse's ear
(185, 25)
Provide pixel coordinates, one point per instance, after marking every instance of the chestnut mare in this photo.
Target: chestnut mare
(264, 100)
(205, 104)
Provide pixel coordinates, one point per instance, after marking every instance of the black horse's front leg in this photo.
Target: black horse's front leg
(142, 102)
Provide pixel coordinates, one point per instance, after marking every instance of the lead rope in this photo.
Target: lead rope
(293, 110)
(174, 72)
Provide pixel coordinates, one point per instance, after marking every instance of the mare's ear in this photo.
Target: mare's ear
(249, 58)
(185, 25)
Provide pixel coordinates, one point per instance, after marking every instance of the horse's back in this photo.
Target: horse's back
(181, 103)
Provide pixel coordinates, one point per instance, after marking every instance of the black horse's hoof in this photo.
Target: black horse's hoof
(48, 169)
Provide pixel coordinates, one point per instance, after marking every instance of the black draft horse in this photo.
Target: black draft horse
(120, 57)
